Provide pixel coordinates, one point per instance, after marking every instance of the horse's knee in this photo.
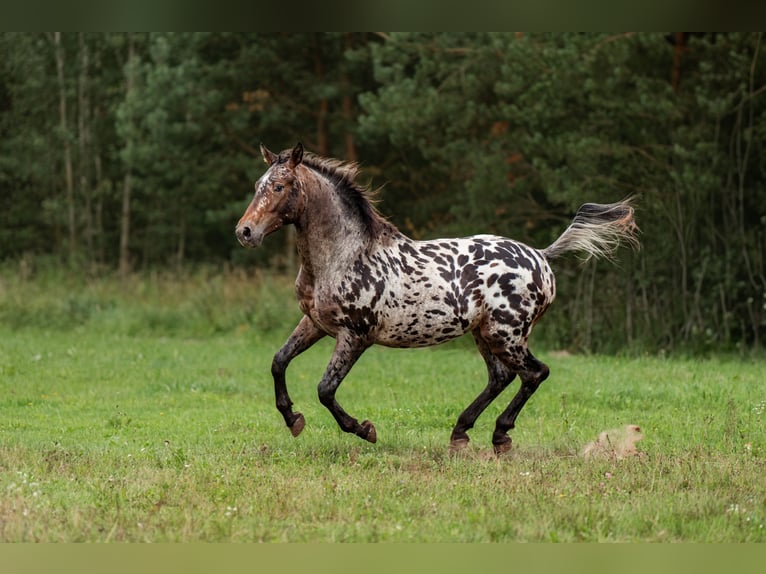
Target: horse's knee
(278, 365)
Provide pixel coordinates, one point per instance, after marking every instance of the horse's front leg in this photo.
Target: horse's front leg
(347, 350)
(304, 335)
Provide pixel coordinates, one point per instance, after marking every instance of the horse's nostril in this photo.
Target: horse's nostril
(245, 232)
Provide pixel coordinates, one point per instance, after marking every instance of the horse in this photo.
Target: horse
(364, 282)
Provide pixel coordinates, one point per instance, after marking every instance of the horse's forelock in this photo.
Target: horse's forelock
(283, 156)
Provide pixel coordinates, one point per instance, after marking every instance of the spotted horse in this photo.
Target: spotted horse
(364, 282)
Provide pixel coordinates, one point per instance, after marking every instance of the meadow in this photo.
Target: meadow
(142, 410)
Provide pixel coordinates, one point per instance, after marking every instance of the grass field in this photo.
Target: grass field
(114, 431)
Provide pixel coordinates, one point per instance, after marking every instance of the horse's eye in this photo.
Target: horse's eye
(279, 187)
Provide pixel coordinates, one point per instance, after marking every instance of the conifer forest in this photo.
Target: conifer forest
(123, 153)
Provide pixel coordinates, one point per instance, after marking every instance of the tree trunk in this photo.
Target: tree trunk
(83, 131)
(348, 103)
(125, 264)
(125, 225)
(181, 248)
(323, 147)
(68, 175)
(99, 212)
(679, 45)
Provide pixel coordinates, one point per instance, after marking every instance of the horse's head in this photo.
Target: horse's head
(278, 198)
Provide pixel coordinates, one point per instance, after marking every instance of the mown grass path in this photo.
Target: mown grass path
(108, 437)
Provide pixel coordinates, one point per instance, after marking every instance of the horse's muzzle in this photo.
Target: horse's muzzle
(249, 237)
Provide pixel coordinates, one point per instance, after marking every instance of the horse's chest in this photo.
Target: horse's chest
(348, 301)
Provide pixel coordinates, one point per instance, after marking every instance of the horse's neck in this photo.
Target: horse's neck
(328, 239)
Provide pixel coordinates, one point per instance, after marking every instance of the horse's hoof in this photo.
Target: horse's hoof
(457, 444)
(298, 424)
(370, 434)
(502, 446)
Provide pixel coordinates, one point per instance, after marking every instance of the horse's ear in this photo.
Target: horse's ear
(296, 156)
(268, 156)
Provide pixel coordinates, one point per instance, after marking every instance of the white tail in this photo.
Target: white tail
(597, 230)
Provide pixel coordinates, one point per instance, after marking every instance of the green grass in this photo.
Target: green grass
(116, 431)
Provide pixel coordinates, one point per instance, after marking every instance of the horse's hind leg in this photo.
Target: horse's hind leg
(347, 350)
(304, 335)
(499, 378)
(531, 372)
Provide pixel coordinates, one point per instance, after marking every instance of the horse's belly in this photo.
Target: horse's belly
(422, 331)
(427, 317)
